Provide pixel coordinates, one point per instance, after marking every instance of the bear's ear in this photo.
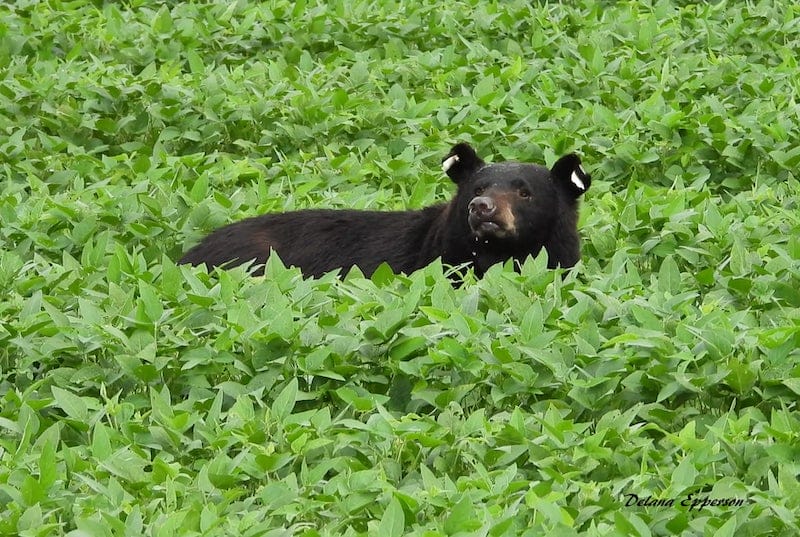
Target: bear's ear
(569, 174)
(461, 162)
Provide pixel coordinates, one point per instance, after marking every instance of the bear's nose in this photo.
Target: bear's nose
(482, 207)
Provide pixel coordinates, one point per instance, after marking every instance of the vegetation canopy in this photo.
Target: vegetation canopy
(652, 390)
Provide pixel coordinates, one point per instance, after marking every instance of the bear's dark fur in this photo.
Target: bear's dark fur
(501, 211)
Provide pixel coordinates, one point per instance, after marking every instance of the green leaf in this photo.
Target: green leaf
(532, 322)
(73, 405)
(462, 518)
(386, 325)
(199, 191)
(484, 90)
(742, 376)
(196, 64)
(359, 73)
(360, 399)
(31, 519)
(669, 277)
(126, 465)
(285, 401)
(392, 522)
(151, 302)
(684, 475)
(162, 23)
(405, 347)
(382, 275)
(788, 159)
(101, 443)
(728, 529)
(793, 384)
(48, 470)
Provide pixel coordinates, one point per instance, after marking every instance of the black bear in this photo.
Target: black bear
(500, 211)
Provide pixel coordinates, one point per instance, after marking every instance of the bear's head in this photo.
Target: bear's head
(512, 209)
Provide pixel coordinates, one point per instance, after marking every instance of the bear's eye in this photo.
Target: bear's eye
(524, 193)
(479, 190)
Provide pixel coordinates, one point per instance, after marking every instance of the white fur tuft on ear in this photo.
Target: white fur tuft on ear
(448, 163)
(576, 180)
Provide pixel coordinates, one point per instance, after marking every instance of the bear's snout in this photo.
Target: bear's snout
(482, 207)
(491, 218)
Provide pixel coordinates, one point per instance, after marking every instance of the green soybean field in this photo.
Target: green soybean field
(650, 391)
